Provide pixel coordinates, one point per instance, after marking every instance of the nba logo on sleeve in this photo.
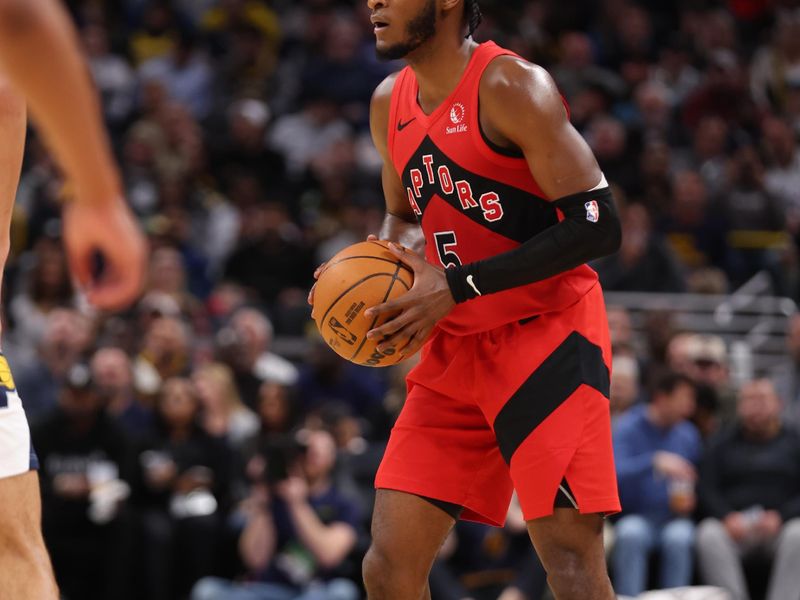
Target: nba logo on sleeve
(592, 211)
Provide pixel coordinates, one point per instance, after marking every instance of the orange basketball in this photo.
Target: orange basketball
(357, 278)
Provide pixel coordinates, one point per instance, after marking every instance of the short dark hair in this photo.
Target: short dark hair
(667, 382)
(472, 15)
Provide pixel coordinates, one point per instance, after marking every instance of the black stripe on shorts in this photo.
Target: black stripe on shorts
(576, 361)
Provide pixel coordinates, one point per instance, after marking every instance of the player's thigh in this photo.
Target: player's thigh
(20, 511)
(568, 540)
(407, 532)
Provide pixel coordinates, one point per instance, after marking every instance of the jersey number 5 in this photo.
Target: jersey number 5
(445, 241)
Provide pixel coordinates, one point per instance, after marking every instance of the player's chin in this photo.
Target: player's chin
(388, 50)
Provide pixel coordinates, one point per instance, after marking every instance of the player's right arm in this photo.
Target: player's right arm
(400, 223)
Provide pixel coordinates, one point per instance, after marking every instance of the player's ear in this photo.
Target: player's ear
(448, 5)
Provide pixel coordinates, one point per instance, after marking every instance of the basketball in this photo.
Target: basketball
(357, 278)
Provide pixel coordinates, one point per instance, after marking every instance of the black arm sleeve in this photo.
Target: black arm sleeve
(590, 229)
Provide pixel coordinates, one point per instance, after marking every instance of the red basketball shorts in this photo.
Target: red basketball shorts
(522, 407)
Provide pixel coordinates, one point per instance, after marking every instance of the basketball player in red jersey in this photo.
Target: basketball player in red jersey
(40, 63)
(484, 176)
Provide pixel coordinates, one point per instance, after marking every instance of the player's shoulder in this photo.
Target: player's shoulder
(379, 109)
(512, 83)
(382, 96)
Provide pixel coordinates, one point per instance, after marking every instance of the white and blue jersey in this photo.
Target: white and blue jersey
(16, 450)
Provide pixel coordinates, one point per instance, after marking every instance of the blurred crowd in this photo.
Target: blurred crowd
(183, 455)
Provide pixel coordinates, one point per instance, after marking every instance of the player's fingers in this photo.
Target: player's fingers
(390, 327)
(121, 280)
(406, 349)
(372, 238)
(415, 343)
(319, 270)
(398, 340)
(412, 259)
(80, 265)
(311, 294)
(391, 306)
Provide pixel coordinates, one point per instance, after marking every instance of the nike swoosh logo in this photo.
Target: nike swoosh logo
(473, 286)
(401, 125)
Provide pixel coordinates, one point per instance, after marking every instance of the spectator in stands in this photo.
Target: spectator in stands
(776, 65)
(243, 148)
(708, 153)
(165, 353)
(782, 177)
(156, 33)
(644, 262)
(656, 450)
(184, 73)
(246, 347)
(299, 530)
(48, 287)
(481, 561)
(787, 380)
(300, 136)
(694, 229)
(756, 222)
(113, 375)
(272, 256)
(184, 488)
(66, 338)
(222, 413)
(625, 391)
(85, 466)
(327, 379)
(112, 75)
(708, 365)
(619, 326)
(749, 487)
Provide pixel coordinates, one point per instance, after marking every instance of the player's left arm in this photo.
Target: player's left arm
(522, 106)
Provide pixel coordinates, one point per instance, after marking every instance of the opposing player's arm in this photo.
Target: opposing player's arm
(13, 122)
(40, 55)
(400, 224)
(522, 107)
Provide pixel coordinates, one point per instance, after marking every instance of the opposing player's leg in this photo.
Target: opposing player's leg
(407, 533)
(570, 546)
(40, 55)
(25, 570)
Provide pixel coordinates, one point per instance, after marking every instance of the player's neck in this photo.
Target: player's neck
(439, 66)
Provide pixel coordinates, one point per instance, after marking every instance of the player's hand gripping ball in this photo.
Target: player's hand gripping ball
(359, 277)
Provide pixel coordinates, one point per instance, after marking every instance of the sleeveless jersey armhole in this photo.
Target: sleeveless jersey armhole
(505, 157)
(393, 111)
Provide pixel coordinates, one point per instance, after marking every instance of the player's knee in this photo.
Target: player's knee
(376, 568)
(385, 571)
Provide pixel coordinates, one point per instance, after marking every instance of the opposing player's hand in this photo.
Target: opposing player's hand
(110, 230)
(428, 301)
(321, 268)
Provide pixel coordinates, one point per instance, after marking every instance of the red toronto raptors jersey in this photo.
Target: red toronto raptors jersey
(472, 201)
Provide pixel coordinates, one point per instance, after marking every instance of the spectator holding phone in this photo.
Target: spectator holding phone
(299, 529)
